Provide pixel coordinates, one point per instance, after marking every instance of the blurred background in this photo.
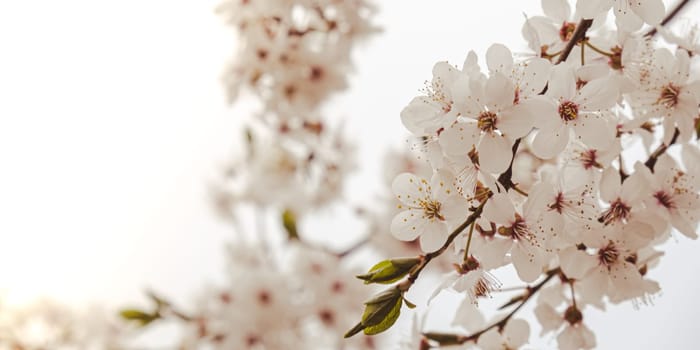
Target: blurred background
(113, 121)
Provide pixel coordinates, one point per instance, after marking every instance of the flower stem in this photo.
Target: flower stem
(469, 241)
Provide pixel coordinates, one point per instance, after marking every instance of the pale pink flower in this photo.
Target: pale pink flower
(578, 110)
(666, 92)
(513, 336)
(629, 14)
(431, 209)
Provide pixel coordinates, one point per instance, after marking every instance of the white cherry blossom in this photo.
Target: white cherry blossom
(431, 209)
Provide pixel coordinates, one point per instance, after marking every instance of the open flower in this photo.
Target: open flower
(431, 209)
(572, 109)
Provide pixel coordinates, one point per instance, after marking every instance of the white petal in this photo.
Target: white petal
(421, 116)
(495, 153)
(517, 333)
(597, 95)
(492, 254)
(592, 8)
(491, 340)
(433, 236)
(626, 280)
(517, 121)
(500, 92)
(526, 261)
(558, 10)
(548, 144)
(594, 286)
(407, 225)
(625, 19)
(499, 209)
(535, 76)
(548, 318)
(499, 59)
(410, 188)
(455, 209)
(468, 316)
(651, 11)
(459, 138)
(562, 82)
(576, 263)
(610, 185)
(594, 131)
(635, 187)
(442, 185)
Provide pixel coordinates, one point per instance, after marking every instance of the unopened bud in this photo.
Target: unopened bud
(389, 271)
(573, 315)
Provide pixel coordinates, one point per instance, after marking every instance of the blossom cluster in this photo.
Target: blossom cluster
(303, 301)
(292, 56)
(47, 324)
(571, 163)
(282, 291)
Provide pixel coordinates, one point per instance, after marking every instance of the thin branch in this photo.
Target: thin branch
(506, 178)
(669, 17)
(579, 35)
(529, 293)
(405, 285)
(659, 151)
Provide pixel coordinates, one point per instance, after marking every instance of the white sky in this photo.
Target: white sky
(112, 118)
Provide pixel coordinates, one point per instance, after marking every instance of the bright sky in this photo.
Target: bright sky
(112, 119)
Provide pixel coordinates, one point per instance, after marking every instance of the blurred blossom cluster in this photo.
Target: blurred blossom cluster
(46, 324)
(292, 56)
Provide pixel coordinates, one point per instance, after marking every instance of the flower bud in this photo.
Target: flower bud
(389, 271)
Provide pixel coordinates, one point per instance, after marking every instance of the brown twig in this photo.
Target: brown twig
(579, 35)
(654, 156)
(506, 178)
(413, 275)
(529, 293)
(669, 17)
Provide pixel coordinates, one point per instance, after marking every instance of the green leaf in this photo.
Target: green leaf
(409, 304)
(358, 327)
(388, 319)
(289, 221)
(143, 318)
(389, 271)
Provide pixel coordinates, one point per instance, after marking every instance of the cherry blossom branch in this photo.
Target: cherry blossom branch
(413, 275)
(669, 17)
(654, 156)
(446, 339)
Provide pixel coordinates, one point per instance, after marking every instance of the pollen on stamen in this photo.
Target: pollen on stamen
(664, 199)
(669, 96)
(487, 121)
(589, 159)
(608, 255)
(618, 212)
(568, 111)
(566, 32)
